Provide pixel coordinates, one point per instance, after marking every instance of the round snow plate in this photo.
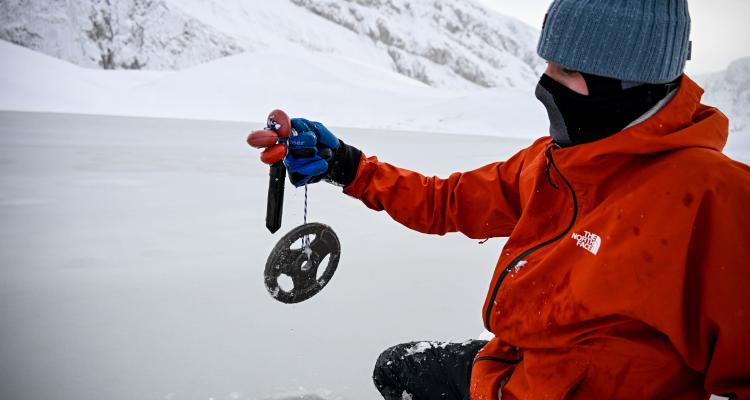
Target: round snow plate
(301, 267)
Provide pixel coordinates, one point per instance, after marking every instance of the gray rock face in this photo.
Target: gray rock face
(113, 34)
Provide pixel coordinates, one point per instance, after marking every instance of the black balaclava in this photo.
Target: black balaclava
(611, 105)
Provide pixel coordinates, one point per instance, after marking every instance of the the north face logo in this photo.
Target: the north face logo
(589, 241)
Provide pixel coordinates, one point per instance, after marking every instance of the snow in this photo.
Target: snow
(325, 62)
(418, 348)
(456, 44)
(519, 265)
(123, 34)
(333, 89)
(730, 92)
(421, 347)
(304, 394)
(486, 335)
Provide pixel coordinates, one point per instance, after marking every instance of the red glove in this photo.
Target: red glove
(273, 138)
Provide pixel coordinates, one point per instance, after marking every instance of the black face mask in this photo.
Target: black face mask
(608, 109)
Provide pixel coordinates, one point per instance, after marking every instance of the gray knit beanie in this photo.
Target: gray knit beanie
(631, 40)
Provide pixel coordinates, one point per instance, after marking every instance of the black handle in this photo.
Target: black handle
(275, 206)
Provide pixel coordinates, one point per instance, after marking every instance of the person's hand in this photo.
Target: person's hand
(309, 150)
(311, 147)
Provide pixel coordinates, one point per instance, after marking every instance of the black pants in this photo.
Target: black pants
(426, 370)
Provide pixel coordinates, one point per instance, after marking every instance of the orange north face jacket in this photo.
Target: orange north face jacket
(626, 274)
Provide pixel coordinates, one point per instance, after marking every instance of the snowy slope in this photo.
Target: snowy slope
(244, 87)
(438, 41)
(332, 88)
(122, 34)
(729, 90)
(420, 65)
(455, 43)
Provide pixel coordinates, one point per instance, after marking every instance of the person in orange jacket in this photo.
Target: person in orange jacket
(626, 274)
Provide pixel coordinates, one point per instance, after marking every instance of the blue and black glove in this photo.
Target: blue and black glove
(316, 154)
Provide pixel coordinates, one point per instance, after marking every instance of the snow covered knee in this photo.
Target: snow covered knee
(389, 370)
(426, 370)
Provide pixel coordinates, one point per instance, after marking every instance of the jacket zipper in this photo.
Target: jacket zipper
(497, 359)
(526, 253)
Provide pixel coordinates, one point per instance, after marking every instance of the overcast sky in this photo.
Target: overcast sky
(720, 28)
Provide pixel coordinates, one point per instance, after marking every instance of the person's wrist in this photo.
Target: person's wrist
(342, 168)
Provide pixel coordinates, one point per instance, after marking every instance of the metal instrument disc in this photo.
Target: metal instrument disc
(301, 267)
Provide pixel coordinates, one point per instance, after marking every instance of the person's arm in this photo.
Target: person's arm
(482, 203)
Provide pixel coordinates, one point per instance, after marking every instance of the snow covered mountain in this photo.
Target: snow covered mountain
(113, 34)
(421, 64)
(729, 90)
(335, 89)
(443, 43)
(427, 39)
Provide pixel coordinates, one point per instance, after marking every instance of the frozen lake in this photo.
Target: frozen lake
(132, 253)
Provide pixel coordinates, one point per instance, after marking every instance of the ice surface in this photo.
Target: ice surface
(133, 251)
(304, 394)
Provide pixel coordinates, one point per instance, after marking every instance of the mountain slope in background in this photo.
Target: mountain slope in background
(108, 34)
(331, 88)
(443, 43)
(419, 65)
(449, 38)
(245, 87)
(729, 90)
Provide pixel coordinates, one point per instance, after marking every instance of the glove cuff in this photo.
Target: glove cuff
(343, 166)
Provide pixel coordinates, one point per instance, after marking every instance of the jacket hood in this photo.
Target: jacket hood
(682, 123)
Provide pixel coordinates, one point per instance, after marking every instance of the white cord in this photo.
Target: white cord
(306, 238)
